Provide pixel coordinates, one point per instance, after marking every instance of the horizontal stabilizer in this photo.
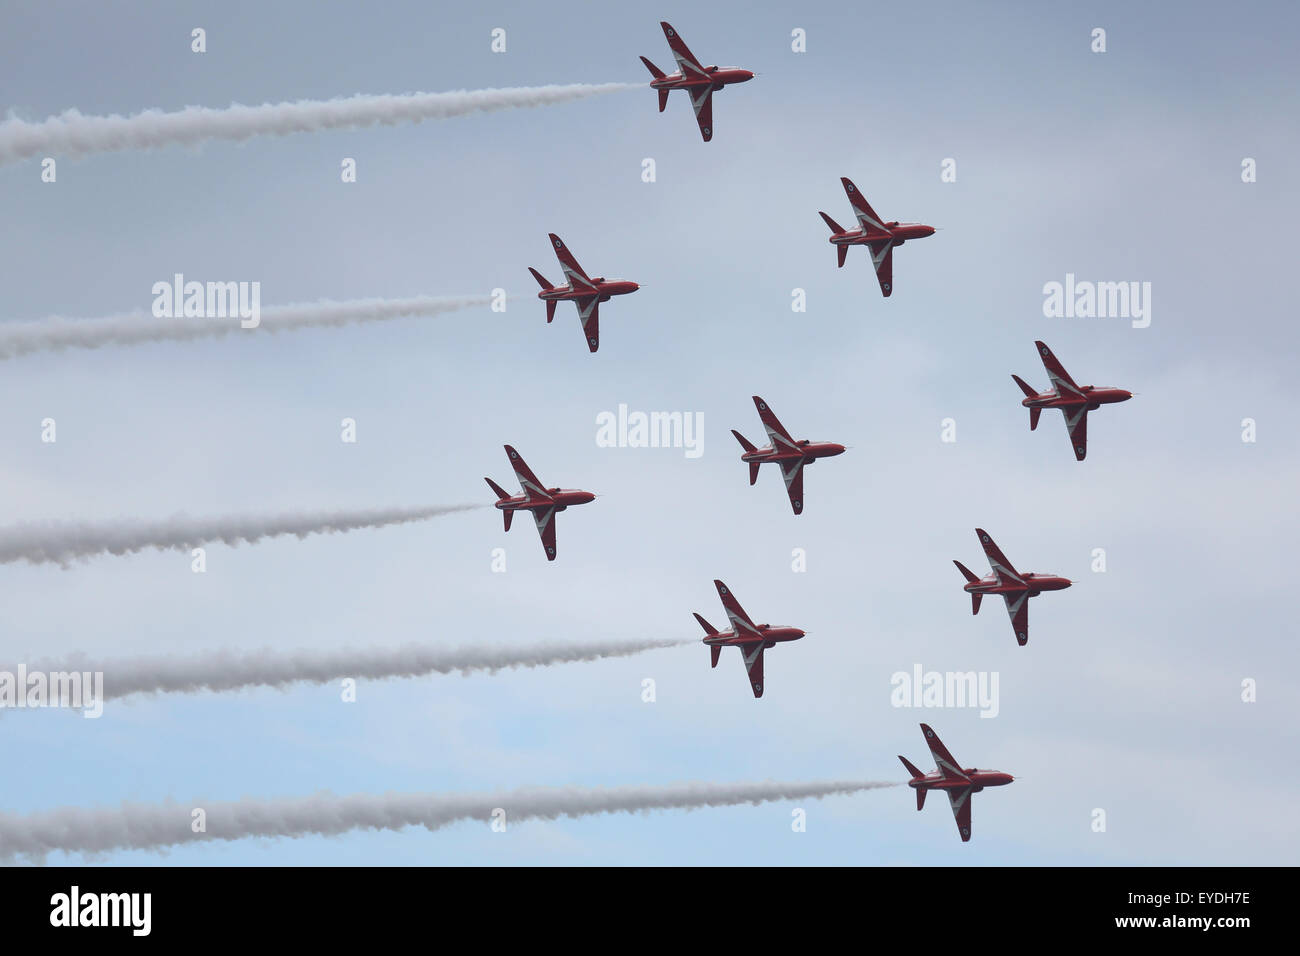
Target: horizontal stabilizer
(910, 769)
(1033, 417)
(657, 73)
(835, 226)
(843, 253)
(920, 797)
(966, 572)
(500, 492)
(745, 443)
(663, 100)
(753, 472)
(507, 515)
(975, 602)
(1024, 386)
(715, 652)
(708, 629)
(541, 279)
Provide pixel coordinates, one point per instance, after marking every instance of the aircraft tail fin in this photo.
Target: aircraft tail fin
(1024, 386)
(1033, 418)
(745, 443)
(541, 279)
(657, 73)
(910, 768)
(966, 572)
(841, 252)
(709, 629)
(501, 494)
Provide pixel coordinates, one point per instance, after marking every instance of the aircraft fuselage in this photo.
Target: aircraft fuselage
(899, 232)
(1092, 397)
(718, 78)
(1035, 584)
(769, 634)
(602, 289)
(557, 498)
(809, 451)
(979, 779)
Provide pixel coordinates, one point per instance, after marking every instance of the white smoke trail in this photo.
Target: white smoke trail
(54, 333)
(239, 670)
(73, 134)
(136, 826)
(62, 542)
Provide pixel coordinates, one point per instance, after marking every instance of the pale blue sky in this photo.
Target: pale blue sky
(1119, 166)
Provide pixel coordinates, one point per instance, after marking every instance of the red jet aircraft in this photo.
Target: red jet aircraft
(543, 502)
(1008, 583)
(701, 82)
(751, 638)
(586, 292)
(1074, 401)
(949, 776)
(873, 232)
(785, 452)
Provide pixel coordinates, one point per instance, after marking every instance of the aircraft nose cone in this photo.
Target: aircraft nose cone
(1127, 395)
(929, 230)
(837, 449)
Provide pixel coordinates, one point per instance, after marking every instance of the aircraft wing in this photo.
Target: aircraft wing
(578, 279)
(1057, 373)
(589, 313)
(687, 62)
(1006, 574)
(527, 480)
(1076, 420)
(545, 518)
(960, 801)
(871, 223)
(753, 656)
(702, 103)
(776, 433)
(1018, 610)
(740, 622)
(882, 257)
(792, 472)
(948, 766)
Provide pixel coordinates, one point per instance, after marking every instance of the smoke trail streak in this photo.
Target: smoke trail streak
(56, 333)
(136, 826)
(62, 542)
(73, 134)
(239, 670)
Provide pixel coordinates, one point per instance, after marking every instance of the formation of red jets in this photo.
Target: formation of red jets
(790, 455)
